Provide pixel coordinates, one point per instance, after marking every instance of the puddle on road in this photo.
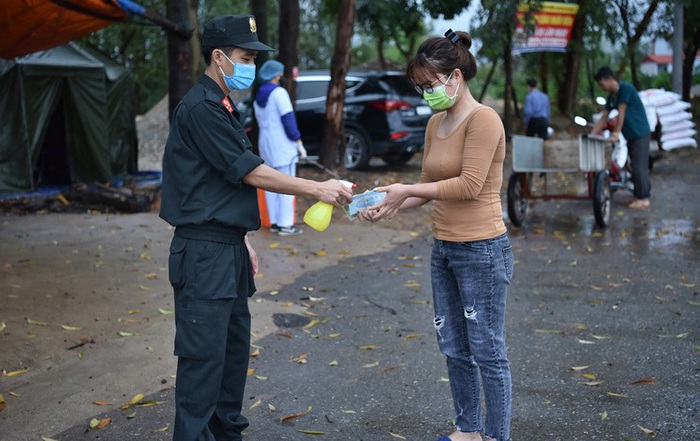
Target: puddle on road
(642, 236)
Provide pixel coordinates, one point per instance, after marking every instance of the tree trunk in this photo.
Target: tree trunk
(179, 56)
(691, 49)
(195, 45)
(572, 62)
(288, 43)
(544, 74)
(333, 149)
(508, 92)
(259, 8)
(488, 80)
(632, 40)
(380, 50)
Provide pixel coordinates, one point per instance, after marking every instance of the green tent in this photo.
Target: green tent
(66, 116)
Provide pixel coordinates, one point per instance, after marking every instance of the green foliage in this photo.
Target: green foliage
(141, 47)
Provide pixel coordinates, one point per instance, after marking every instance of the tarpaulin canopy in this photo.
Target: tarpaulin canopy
(65, 110)
(33, 25)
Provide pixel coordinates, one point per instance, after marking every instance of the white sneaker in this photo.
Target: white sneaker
(289, 231)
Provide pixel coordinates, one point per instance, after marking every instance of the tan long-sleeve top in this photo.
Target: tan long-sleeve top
(468, 167)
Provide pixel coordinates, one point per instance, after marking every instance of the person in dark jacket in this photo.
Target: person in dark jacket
(209, 195)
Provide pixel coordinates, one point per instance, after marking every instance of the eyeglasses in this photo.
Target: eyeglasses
(423, 88)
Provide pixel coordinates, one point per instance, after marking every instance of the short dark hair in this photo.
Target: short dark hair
(531, 82)
(207, 51)
(604, 73)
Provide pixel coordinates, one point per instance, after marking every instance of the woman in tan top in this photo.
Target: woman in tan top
(472, 258)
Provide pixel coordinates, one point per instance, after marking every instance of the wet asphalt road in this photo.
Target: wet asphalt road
(622, 304)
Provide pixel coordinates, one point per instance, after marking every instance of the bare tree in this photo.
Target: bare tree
(180, 56)
(289, 42)
(625, 9)
(572, 62)
(333, 139)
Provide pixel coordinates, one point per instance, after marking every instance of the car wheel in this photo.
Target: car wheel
(356, 149)
(397, 158)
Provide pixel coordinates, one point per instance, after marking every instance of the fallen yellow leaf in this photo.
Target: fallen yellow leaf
(164, 311)
(2, 326)
(644, 380)
(312, 323)
(36, 323)
(71, 328)
(649, 432)
(312, 432)
(273, 245)
(98, 424)
(256, 404)
(162, 429)
(102, 403)
(134, 400)
(579, 368)
(321, 253)
(368, 347)
(295, 415)
(613, 394)
(396, 435)
(13, 373)
(3, 403)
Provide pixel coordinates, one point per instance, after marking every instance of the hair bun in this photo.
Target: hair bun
(465, 38)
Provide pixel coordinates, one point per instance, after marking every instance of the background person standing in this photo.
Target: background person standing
(209, 195)
(632, 122)
(536, 111)
(279, 142)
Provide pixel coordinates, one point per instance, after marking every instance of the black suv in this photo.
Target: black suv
(384, 115)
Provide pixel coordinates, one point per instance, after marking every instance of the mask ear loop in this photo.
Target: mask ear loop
(450, 35)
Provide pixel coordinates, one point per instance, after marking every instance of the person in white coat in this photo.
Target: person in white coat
(279, 142)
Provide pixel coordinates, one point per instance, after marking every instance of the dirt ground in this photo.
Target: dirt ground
(85, 302)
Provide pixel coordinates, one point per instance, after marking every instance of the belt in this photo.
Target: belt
(211, 232)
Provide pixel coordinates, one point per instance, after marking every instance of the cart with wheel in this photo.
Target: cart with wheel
(529, 161)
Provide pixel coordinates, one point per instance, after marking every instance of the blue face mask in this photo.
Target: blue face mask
(242, 78)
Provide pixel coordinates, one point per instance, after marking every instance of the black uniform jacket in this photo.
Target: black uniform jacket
(206, 157)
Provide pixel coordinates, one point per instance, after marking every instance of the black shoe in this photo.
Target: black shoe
(289, 231)
(274, 228)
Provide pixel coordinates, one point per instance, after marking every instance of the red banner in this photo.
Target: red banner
(552, 28)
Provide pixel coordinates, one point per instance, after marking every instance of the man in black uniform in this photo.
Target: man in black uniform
(210, 175)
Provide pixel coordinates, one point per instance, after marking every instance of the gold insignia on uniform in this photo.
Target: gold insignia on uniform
(253, 26)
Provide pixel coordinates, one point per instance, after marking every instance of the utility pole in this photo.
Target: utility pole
(677, 45)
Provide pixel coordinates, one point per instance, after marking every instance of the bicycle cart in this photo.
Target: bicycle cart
(529, 159)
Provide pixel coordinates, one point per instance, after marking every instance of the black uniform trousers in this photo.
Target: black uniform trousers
(211, 278)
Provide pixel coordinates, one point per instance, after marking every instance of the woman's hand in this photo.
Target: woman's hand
(396, 195)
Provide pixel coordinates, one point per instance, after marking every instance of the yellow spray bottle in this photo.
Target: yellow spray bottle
(318, 216)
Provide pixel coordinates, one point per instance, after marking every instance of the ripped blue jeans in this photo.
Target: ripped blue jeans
(470, 281)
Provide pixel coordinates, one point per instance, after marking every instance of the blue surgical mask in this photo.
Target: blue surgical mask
(242, 78)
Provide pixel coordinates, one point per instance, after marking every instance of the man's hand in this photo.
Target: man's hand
(253, 257)
(334, 192)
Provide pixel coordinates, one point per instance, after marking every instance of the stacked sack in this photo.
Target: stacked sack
(671, 113)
